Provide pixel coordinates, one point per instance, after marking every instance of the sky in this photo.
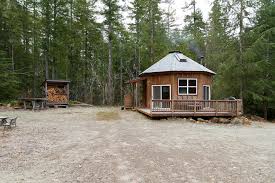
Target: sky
(203, 5)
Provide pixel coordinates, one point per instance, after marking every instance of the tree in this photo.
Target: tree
(9, 82)
(218, 41)
(111, 16)
(137, 14)
(239, 13)
(195, 28)
(260, 59)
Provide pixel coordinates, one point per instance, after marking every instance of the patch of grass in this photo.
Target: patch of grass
(11, 102)
(107, 116)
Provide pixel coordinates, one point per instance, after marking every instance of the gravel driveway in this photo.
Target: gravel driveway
(70, 145)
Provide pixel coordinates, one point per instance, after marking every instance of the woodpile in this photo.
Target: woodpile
(57, 95)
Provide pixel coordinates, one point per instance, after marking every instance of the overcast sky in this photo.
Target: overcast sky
(203, 5)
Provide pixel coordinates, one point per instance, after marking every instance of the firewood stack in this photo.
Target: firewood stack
(57, 95)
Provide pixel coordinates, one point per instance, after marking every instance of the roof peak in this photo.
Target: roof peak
(175, 51)
(176, 61)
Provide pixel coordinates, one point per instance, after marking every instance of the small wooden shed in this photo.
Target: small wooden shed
(57, 92)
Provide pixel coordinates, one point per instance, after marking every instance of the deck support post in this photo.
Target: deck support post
(172, 107)
(216, 107)
(195, 107)
(237, 108)
(136, 97)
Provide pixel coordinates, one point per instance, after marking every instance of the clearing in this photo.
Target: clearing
(87, 145)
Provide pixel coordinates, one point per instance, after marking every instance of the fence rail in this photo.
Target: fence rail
(233, 107)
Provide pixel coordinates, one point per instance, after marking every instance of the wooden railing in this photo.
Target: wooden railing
(233, 107)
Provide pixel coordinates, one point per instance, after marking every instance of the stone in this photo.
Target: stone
(224, 120)
(214, 120)
(202, 120)
(192, 120)
(236, 121)
(241, 120)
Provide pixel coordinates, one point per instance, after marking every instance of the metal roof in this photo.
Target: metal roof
(176, 62)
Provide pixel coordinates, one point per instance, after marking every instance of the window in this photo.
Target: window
(180, 57)
(187, 86)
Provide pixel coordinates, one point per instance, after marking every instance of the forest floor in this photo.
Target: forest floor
(87, 145)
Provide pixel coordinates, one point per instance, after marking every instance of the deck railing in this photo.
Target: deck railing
(233, 107)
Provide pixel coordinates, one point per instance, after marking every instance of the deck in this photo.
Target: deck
(193, 108)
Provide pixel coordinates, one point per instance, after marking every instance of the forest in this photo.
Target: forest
(95, 46)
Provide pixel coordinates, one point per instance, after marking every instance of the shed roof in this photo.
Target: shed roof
(176, 62)
(56, 81)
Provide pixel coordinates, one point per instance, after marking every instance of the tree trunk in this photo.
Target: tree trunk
(110, 68)
(86, 84)
(35, 67)
(12, 58)
(152, 32)
(241, 49)
(265, 108)
(47, 48)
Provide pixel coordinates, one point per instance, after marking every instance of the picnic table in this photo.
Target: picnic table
(3, 119)
(35, 102)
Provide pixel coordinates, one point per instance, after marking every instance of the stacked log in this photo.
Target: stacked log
(57, 95)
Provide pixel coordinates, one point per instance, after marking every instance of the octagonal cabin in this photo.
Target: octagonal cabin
(177, 85)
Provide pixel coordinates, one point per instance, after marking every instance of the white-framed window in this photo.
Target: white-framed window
(187, 86)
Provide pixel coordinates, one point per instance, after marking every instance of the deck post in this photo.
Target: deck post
(136, 97)
(195, 107)
(151, 106)
(216, 107)
(172, 103)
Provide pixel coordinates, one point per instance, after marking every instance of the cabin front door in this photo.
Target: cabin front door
(161, 95)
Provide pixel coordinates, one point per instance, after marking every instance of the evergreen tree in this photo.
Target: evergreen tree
(195, 28)
(260, 59)
(111, 16)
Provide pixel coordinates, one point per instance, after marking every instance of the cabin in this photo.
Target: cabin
(178, 86)
(56, 93)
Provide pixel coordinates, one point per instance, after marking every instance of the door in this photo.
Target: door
(161, 92)
(206, 92)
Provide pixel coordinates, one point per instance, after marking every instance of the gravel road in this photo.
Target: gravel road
(70, 145)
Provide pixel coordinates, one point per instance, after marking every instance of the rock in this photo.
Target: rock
(246, 121)
(214, 120)
(257, 118)
(241, 120)
(202, 120)
(192, 120)
(224, 120)
(9, 105)
(236, 121)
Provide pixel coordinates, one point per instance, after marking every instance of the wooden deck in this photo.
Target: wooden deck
(193, 108)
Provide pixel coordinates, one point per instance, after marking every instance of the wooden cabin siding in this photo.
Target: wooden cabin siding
(172, 79)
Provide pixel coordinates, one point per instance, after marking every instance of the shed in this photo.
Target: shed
(57, 92)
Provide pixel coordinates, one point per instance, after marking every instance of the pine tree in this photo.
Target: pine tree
(111, 16)
(195, 28)
(260, 59)
(218, 42)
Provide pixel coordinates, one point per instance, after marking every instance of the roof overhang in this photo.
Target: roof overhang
(170, 72)
(49, 81)
(136, 80)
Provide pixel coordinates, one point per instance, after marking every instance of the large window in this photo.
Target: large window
(187, 86)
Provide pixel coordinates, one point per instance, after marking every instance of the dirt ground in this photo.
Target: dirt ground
(71, 145)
